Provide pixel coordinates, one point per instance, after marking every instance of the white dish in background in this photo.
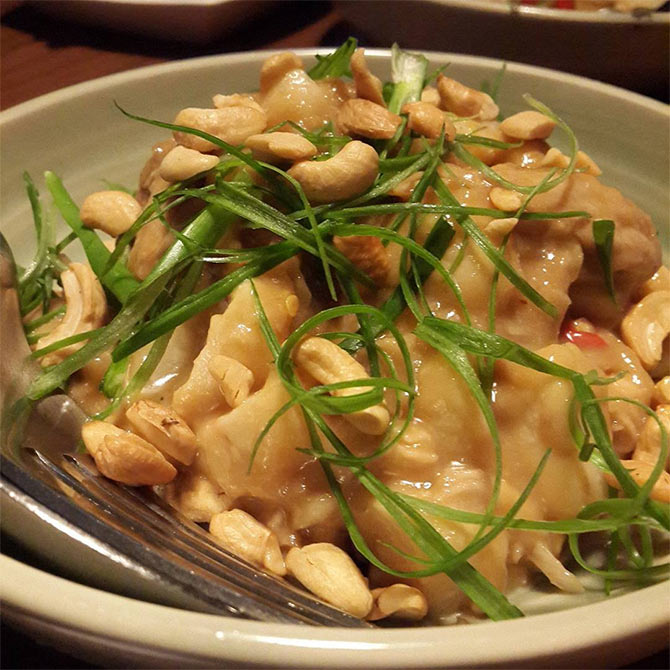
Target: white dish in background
(182, 20)
(79, 134)
(627, 50)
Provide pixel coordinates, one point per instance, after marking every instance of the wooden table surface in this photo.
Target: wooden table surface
(39, 54)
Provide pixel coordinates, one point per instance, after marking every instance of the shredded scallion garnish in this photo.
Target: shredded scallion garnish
(201, 268)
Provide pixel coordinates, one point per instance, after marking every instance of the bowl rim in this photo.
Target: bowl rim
(76, 607)
(80, 607)
(512, 9)
(100, 83)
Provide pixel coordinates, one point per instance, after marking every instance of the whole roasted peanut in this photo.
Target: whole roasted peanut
(329, 364)
(646, 326)
(195, 496)
(248, 538)
(113, 212)
(640, 471)
(367, 85)
(363, 118)
(275, 67)
(235, 379)
(648, 445)
(528, 125)
(427, 120)
(398, 601)
(231, 124)
(183, 163)
(366, 253)
(85, 310)
(329, 573)
(164, 428)
(125, 457)
(348, 173)
(280, 147)
(465, 101)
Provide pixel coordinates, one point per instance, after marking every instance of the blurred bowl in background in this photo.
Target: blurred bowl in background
(631, 50)
(185, 20)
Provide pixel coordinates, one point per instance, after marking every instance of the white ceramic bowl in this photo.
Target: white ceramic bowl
(79, 134)
(621, 49)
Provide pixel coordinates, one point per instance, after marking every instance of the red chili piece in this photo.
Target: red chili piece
(583, 339)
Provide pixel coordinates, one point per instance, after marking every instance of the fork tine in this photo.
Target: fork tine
(202, 568)
(126, 527)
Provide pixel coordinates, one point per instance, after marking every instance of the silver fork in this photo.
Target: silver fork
(55, 502)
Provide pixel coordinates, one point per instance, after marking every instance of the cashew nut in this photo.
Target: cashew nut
(646, 326)
(235, 379)
(164, 428)
(113, 212)
(329, 364)
(426, 119)
(431, 95)
(125, 457)
(347, 174)
(329, 572)
(183, 163)
(275, 67)
(367, 253)
(640, 471)
(367, 85)
(464, 101)
(659, 281)
(85, 309)
(363, 118)
(279, 147)
(150, 181)
(528, 125)
(235, 100)
(243, 536)
(556, 158)
(504, 199)
(398, 601)
(151, 242)
(648, 446)
(231, 124)
(662, 391)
